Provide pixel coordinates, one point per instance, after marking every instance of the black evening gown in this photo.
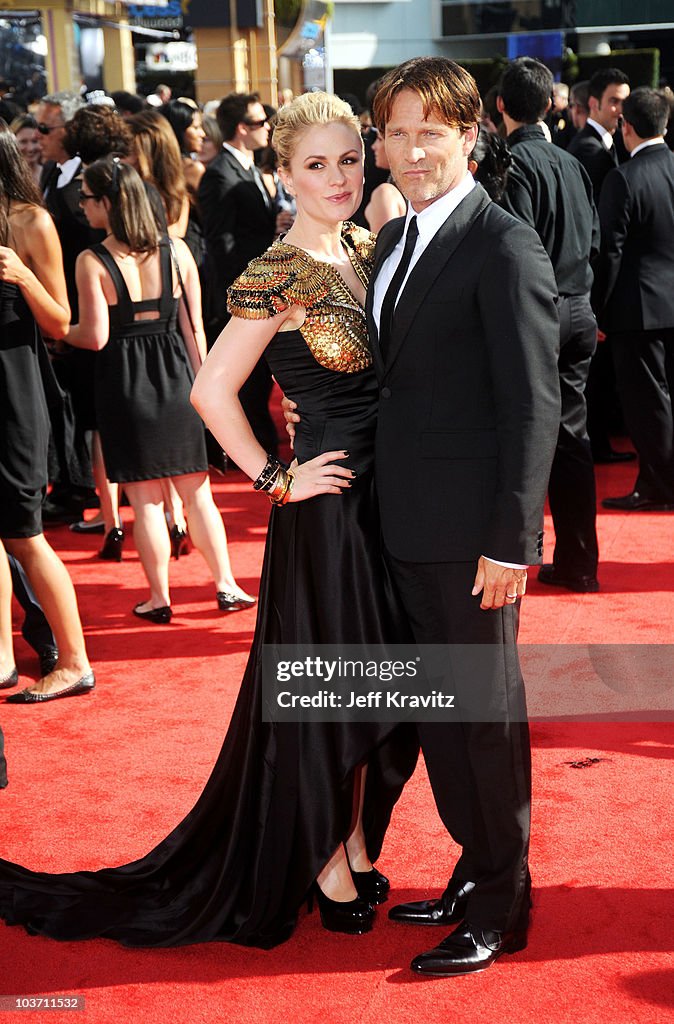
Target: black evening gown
(279, 800)
(24, 419)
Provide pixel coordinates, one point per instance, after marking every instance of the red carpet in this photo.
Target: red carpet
(98, 781)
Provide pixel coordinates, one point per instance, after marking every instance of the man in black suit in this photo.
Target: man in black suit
(70, 471)
(465, 339)
(634, 295)
(239, 223)
(549, 190)
(596, 146)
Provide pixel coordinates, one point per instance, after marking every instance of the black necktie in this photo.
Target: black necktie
(388, 305)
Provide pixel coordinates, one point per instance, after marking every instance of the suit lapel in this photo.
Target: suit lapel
(431, 265)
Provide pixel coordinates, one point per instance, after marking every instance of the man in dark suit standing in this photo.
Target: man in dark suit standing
(550, 191)
(634, 295)
(465, 339)
(596, 147)
(61, 181)
(239, 223)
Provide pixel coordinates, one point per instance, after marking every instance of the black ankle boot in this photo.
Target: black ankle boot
(112, 546)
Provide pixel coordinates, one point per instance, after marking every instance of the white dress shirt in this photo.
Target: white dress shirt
(68, 171)
(429, 222)
(606, 137)
(657, 141)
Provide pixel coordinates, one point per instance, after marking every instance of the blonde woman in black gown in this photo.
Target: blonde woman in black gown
(292, 806)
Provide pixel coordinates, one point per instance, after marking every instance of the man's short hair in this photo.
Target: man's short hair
(601, 80)
(526, 89)
(647, 110)
(232, 111)
(443, 86)
(580, 94)
(69, 102)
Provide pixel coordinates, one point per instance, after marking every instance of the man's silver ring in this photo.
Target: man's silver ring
(511, 597)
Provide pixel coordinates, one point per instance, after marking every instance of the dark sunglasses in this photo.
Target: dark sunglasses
(45, 129)
(255, 124)
(87, 195)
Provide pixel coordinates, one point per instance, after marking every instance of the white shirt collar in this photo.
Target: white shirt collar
(430, 220)
(68, 171)
(658, 141)
(606, 137)
(245, 159)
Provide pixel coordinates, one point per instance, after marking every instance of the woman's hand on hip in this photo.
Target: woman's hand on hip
(321, 475)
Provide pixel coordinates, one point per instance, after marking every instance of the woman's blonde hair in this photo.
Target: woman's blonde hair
(308, 111)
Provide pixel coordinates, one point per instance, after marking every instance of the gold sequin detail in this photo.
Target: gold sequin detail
(334, 327)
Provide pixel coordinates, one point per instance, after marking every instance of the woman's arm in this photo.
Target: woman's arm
(215, 397)
(195, 342)
(386, 203)
(179, 227)
(37, 268)
(93, 330)
(194, 172)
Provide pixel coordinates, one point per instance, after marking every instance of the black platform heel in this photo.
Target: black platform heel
(180, 542)
(353, 918)
(371, 885)
(112, 546)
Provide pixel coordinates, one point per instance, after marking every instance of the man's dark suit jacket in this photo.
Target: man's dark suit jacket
(237, 225)
(552, 192)
(469, 396)
(597, 160)
(71, 224)
(634, 289)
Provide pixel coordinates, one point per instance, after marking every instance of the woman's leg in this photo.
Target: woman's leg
(107, 491)
(6, 643)
(151, 539)
(175, 515)
(207, 529)
(54, 590)
(335, 879)
(356, 847)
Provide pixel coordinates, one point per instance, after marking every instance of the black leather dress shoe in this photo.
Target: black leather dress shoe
(449, 909)
(84, 685)
(10, 680)
(606, 458)
(580, 584)
(636, 502)
(371, 885)
(468, 950)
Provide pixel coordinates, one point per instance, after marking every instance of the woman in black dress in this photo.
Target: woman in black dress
(287, 803)
(129, 299)
(32, 297)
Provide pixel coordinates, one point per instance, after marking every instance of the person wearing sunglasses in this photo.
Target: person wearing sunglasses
(239, 223)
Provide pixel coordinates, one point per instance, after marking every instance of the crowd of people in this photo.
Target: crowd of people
(435, 381)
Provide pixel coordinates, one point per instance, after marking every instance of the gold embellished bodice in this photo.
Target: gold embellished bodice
(334, 327)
